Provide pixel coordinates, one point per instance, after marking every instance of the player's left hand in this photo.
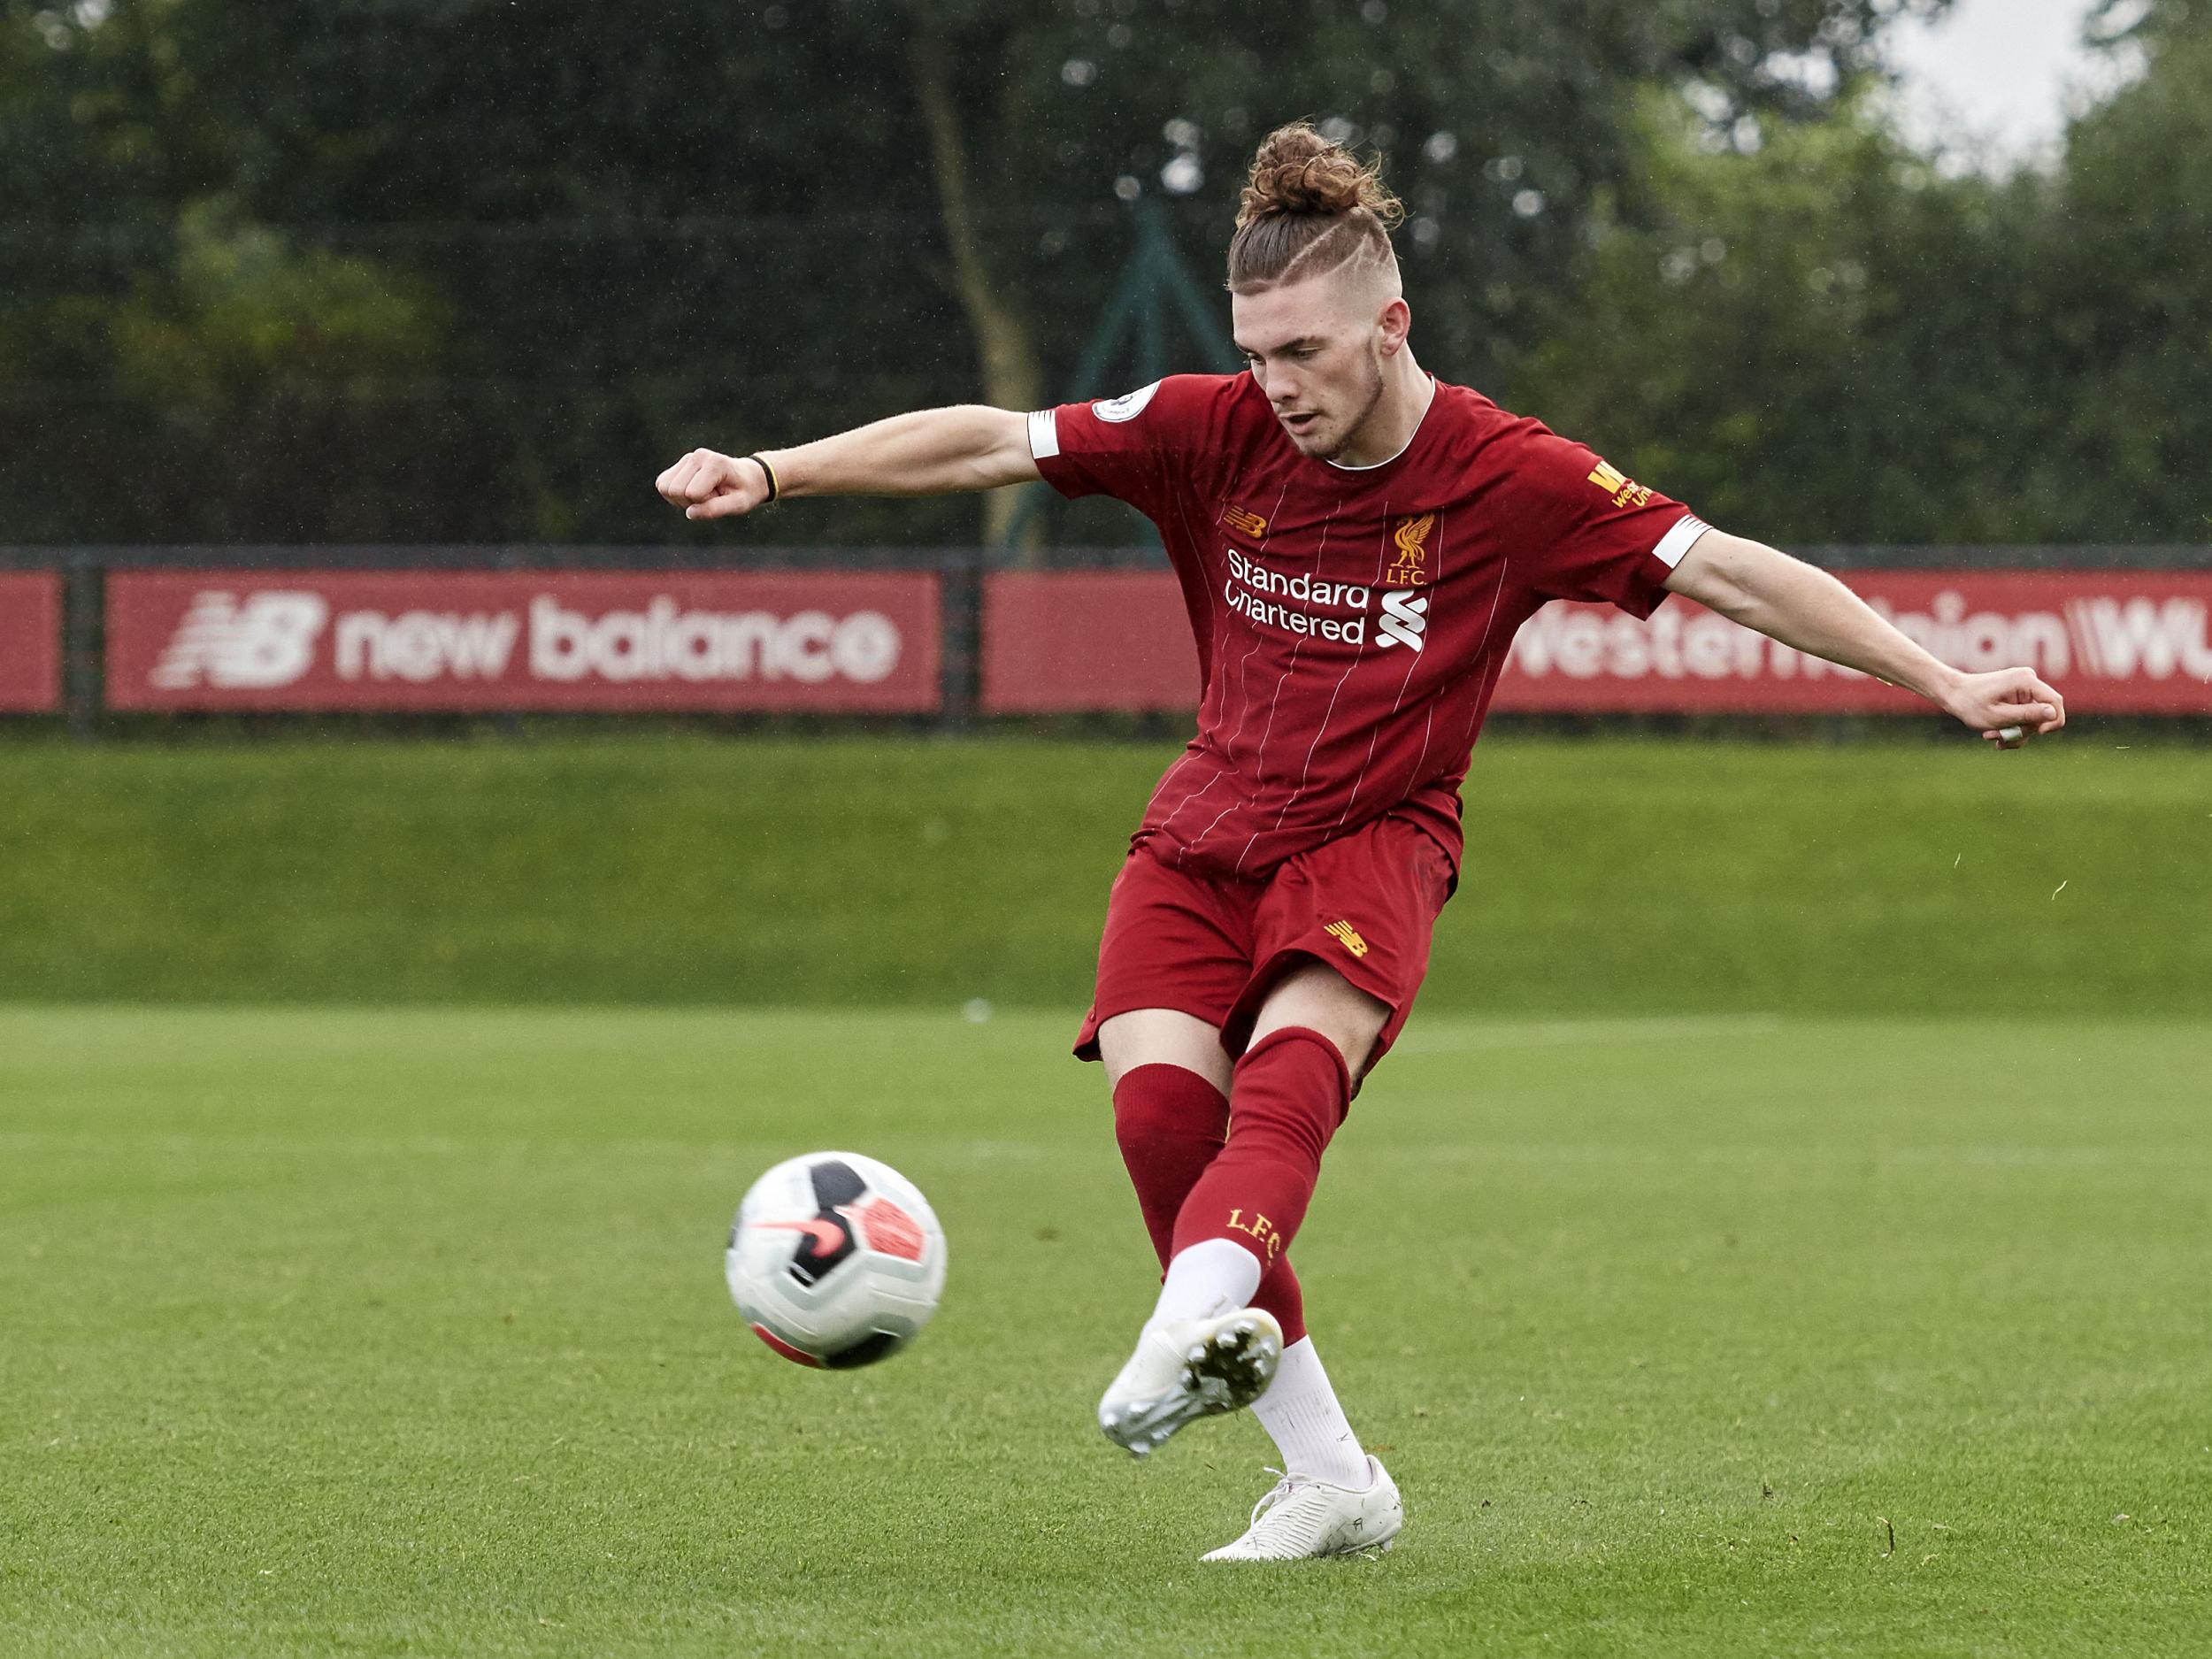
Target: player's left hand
(2009, 697)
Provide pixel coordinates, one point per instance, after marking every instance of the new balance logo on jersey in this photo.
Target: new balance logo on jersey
(1404, 620)
(1245, 523)
(268, 640)
(1347, 936)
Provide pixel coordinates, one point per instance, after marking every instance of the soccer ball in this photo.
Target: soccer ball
(835, 1260)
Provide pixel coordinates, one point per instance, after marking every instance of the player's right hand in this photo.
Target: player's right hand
(708, 485)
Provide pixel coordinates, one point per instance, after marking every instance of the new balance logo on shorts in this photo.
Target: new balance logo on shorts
(1404, 620)
(1347, 936)
(268, 640)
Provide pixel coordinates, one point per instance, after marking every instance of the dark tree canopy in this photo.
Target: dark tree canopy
(423, 270)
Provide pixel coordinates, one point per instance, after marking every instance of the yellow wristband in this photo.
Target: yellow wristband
(769, 473)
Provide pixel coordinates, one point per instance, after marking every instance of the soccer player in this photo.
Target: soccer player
(1357, 543)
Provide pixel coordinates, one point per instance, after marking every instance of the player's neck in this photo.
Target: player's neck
(1390, 425)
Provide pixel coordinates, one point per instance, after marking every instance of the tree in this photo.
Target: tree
(602, 237)
(1825, 340)
(2119, 281)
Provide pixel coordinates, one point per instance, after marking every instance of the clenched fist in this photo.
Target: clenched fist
(707, 485)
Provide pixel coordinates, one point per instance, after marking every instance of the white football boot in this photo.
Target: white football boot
(1189, 1369)
(1303, 1518)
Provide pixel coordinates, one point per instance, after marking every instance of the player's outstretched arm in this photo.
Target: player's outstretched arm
(1789, 600)
(929, 452)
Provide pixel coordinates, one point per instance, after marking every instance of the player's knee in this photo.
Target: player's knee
(1316, 998)
(1160, 1104)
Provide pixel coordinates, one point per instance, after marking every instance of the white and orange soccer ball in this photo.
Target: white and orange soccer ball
(835, 1260)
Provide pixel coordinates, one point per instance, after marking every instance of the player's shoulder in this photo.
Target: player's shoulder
(1493, 441)
(1174, 401)
(1473, 422)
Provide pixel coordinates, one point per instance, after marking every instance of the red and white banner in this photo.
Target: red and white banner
(1063, 642)
(2113, 641)
(841, 642)
(30, 642)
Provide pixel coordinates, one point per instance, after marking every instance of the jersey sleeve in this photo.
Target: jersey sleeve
(1597, 535)
(1131, 448)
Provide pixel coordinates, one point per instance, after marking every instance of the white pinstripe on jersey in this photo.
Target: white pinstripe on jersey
(1259, 758)
(1413, 660)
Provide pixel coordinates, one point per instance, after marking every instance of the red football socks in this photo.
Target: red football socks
(1171, 1124)
(1289, 1094)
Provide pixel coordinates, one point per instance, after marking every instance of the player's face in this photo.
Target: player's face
(1317, 350)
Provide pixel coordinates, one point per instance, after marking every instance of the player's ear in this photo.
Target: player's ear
(1394, 325)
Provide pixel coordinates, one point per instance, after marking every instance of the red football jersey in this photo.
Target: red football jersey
(1351, 621)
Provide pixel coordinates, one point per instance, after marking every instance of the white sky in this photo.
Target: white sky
(1992, 77)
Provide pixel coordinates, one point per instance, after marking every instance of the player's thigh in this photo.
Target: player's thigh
(1342, 940)
(1316, 996)
(1162, 1036)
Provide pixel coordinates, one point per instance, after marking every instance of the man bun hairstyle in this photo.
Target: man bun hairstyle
(1309, 206)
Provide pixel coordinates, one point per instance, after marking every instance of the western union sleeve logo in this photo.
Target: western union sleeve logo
(1624, 490)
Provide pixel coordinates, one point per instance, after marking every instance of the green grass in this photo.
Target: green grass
(402, 1332)
(2073, 879)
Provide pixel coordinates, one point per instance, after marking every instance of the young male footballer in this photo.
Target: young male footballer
(1356, 543)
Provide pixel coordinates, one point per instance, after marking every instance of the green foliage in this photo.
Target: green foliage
(1828, 340)
(245, 309)
(1770, 350)
(725, 226)
(483, 267)
(371, 1333)
(1603, 877)
(2122, 276)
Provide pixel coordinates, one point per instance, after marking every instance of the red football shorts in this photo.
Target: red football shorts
(1214, 946)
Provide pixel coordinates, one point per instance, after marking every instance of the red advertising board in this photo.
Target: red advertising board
(2113, 641)
(1063, 642)
(841, 642)
(30, 642)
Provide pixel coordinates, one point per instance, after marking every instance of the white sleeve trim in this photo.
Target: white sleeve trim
(1676, 542)
(1044, 434)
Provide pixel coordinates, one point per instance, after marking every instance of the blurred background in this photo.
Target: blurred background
(452, 272)
(340, 344)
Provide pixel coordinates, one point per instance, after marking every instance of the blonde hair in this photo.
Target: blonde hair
(1309, 206)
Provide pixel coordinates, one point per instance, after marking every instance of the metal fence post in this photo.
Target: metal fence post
(960, 572)
(82, 628)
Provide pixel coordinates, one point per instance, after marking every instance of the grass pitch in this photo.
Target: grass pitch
(1602, 878)
(403, 1333)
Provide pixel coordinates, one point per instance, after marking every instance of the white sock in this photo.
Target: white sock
(1301, 1413)
(1211, 1277)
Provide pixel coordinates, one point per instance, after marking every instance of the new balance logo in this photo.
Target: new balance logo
(1347, 936)
(1404, 620)
(1244, 523)
(268, 640)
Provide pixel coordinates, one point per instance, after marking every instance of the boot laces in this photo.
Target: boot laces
(1282, 1490)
